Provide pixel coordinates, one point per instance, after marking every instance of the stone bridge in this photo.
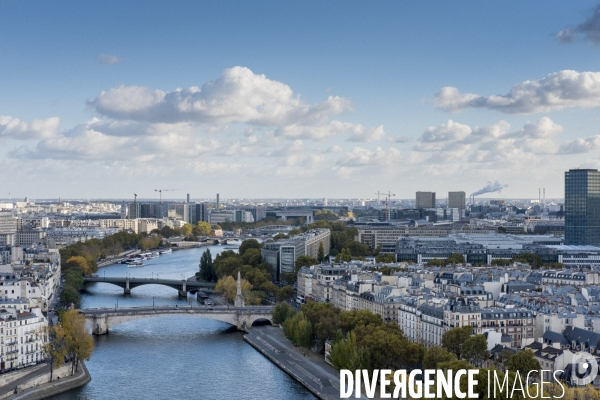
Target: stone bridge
(102, 320)
(127, 283)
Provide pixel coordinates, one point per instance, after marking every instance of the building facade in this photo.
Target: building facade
(582, 207)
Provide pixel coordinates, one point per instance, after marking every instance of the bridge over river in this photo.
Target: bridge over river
(127, 283)
(103, 319)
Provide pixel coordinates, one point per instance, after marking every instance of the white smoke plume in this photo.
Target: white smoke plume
(490, 188)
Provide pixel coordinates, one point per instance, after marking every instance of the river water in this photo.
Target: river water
(175, 357)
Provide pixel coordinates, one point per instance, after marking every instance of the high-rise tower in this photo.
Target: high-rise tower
(582, 207)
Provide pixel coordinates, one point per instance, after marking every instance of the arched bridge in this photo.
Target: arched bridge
(103, 319)
(182, 286)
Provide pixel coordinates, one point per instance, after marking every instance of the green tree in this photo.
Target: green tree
(385, 344)
(358, 249)
(524, 361)
(455, 258)
(304, 261)
(349, 320)
(70, 295)
(207, 268)
(281, 312)
(252, 257)
(376, 251)
(321, 253)
(530, 258)
(345, 354)
(474, 350)
(285, 293)
(502, 262)
(344, 256)
(249, 244)
(303, 334)
(453, 339)
(74, 279)
(385, 258)
(435, 355)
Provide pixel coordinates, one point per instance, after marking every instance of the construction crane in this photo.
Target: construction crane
(163, 190)
(388, 198)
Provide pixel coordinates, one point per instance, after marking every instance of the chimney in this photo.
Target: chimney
(188, 198)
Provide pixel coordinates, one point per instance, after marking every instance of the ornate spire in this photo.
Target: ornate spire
(239, 298)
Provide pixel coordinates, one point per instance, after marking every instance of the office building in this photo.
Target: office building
(135, 210)
(425, 199)
(198, 213)
(456, 200)
(582, 207)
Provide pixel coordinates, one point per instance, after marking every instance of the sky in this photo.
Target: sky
(271, 99)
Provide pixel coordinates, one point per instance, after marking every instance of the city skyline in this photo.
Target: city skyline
(332, 102)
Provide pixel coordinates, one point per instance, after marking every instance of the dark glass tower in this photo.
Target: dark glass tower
(582, 207)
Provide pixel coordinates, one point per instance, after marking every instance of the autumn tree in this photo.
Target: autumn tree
(54, 346)
(202, 228)
(80, 263)
(228, 288)
(78, 341)
(186, 229)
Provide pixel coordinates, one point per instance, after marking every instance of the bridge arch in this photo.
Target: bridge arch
(102, 321)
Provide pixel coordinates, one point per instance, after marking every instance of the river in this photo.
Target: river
(174, 357)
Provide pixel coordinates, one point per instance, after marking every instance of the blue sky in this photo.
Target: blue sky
(311, 99)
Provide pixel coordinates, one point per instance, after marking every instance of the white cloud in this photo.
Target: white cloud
(455, 143)
(239, 95)
(314, 132)
(580, 145)
(362, 134)
(334, 149)
(86, 142)
(361, 157)
(36, 129)
(566, 36)
(556, 91)
(292, 149)
(107, 59)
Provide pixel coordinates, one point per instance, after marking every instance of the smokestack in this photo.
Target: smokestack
(544, 197)
(540, 197)
(217, 201)
(188, 198)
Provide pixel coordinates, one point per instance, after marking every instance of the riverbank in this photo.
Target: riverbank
(179, 246)
(37, 387)
(312, 372)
